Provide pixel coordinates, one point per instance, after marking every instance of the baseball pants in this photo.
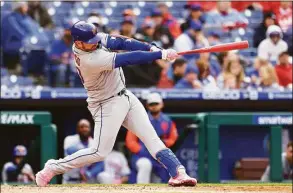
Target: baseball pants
(109, 115)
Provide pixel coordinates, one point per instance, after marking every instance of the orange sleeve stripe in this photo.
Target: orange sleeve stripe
(132, 142)
(173, 136)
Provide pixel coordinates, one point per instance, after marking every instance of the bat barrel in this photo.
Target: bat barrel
(219, 48)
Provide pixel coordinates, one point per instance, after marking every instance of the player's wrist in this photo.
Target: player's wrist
(154, 47)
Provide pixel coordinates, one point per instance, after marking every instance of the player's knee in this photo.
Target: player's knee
(144, 164)
(98, 155)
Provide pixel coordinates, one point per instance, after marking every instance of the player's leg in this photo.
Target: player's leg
(108, 119)
(137, 121)
(144, 170)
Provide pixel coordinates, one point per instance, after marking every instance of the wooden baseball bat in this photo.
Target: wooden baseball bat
(218, 48)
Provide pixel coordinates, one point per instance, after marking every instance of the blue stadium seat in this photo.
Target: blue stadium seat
(4, 72)
(92, 4)
(5, 6)
(14, 80)
(250, 52)
(61, 4)
(34, 62)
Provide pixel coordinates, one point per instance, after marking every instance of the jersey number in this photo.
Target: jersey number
(77, 61)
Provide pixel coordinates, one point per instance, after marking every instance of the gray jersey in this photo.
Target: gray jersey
(96, 69)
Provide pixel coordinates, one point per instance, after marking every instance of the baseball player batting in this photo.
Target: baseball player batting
(111, 104)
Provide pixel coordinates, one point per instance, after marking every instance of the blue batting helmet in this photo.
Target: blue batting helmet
(19, 150)
(85, 32)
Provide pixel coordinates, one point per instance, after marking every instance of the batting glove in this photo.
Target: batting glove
(169, 55)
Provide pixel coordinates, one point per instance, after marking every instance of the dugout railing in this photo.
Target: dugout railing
(208, 139)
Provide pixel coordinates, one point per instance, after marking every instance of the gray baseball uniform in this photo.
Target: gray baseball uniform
(109, 109)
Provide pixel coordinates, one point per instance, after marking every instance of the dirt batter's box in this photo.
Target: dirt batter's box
(43, 121)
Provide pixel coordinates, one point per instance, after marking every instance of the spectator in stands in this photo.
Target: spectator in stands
(73, 143)
(223, 59)
(169, 77)
(205, 4)
(147, 31)
(268, 78)
(254, 74)
(191, 39)
(260, 32)
(168, 20)
(287, 165)
(128, 13)
(18, 171)
(284, 15)
(116, 168)
(224, 14)
(206, 80)
(178, 69)
(142, 162)
(273, 45)
(61, 58)
(233, 68)
(40, 14)
(15, 27)
(195, 14)
(127, 28)
(189, 80)
(214, 38)
(242, 5)
(97, 20)
(229, 82)
(284, 70)
(162, 33)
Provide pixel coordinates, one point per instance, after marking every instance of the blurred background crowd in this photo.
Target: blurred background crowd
(36, 42)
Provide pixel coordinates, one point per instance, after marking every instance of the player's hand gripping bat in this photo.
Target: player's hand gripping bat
(218, 48)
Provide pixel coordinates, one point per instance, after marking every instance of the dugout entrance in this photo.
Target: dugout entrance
(208, 139)
(37, 130)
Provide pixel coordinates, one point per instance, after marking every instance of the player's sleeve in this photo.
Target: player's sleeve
(29, 169)
(132, 142)
(262, 50)
(4, 174)
(136, 58)
(173, 135)
(266, 175)
(118, 42)
(66, 145)
(69, 146)
(125, 171)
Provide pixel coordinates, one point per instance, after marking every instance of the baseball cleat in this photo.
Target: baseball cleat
(44, 176)
(182, 179)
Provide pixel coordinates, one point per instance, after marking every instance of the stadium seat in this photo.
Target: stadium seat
(33, 57)
(13, 80)
(4, 72)
(5, 6)
(250, 52)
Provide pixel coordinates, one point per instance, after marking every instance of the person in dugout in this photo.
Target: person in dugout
(18, 171)
(147, 169)
(73, 143)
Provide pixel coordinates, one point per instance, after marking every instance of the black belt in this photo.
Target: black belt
(122, 92)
